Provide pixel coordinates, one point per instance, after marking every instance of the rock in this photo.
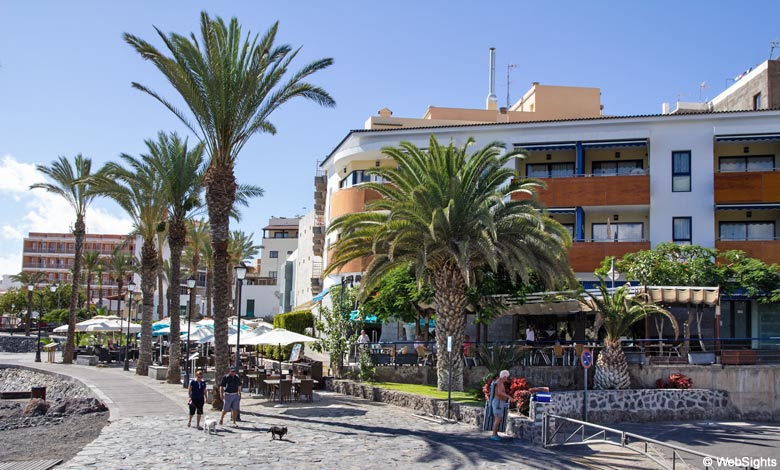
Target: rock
(35, 407)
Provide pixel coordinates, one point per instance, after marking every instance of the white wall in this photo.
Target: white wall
(265, 297)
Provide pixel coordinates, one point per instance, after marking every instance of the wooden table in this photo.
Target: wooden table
(275, 383)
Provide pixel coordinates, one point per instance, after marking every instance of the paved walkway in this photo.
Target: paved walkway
(148, 430)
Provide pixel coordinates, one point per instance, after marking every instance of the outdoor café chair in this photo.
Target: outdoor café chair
(285, 389)
(306, 388)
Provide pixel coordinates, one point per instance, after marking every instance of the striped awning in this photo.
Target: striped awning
(615, 144)
(542, 147)
(561, 210)
(747, 138)
(747, 207)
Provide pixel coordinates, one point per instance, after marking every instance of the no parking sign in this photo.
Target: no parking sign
(587, 358)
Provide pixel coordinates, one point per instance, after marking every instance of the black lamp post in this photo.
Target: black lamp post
(40, 316)
(30, 288)
(190, 286)
(240, 274)
(130, 289)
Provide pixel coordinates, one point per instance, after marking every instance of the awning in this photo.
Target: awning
(355, 315)
(747, 207)
(747, 138)
(683, 295)
(538, 147)
(615, 144)
(561, 210)
(321, 295)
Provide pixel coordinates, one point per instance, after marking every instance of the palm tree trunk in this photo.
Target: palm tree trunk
(118, 297)
(89, 294)
(177, 235)
(148, 280)
(79, 230)
(611, 368)
(160, 287)
(450, 300)
(220, 185)
(209, 291)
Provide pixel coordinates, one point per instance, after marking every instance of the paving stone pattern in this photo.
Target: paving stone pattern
(333, 432)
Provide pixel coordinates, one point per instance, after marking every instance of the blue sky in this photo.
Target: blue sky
(65, 76)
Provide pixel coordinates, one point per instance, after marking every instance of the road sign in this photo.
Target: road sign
(586, 358)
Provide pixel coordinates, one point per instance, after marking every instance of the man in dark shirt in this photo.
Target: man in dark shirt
(231, 395)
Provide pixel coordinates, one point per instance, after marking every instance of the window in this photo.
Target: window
(747, 230)
(281, 235)
(751, 163)
(289, 253)
(617, 168)
(357, 177)
(569, 228)
(757, 101)
(681, 171)
(623, 232)
(274, 254)
(272, 274)
(681, 230)
(549, 170)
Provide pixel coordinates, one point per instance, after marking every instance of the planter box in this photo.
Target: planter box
(158, 372)
(701, 358)
(84, 360)
(738, 357)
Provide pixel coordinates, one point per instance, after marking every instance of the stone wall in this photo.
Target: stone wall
(648, 405)
(754, 391)
(18, 343)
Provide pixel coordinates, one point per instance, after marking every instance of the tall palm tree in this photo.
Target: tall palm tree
(91, 260)
(119, 266)
(137, 188)
(26, 278)
(194, 252)
(71, 182)
(231, 83)
(447, 214)
(616, 312)
(181, 170)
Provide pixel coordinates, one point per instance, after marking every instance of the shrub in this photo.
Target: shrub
(676, 381)
(518, 390)
(296, 321)
(367, 368)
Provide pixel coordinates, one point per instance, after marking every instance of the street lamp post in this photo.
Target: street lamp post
(30, 288)
(613, 274)
(130, 289)
(38, 346)
(240, 274)
(190, 286)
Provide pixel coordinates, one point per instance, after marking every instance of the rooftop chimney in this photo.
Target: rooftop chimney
(492, 99)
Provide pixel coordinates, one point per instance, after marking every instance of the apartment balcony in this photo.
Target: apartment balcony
(587, 256)
(747, 187)
(594, 191)
(767, 251)
(351, 200)
(50, 267)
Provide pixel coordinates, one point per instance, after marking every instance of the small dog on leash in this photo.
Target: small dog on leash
(277, 431)
(210, 426)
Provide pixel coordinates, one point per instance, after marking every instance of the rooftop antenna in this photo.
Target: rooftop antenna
(772, 46)
(509, 69)
(702, 86)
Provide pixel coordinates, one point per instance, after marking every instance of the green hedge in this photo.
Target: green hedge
(296, 321)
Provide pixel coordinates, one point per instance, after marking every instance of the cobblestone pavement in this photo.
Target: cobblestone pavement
(333, 432)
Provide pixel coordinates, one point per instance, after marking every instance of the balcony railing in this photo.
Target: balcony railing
(747, 187)
(586, 256)
(767, 251)
(594, 191)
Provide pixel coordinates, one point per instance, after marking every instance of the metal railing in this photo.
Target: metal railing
(571, 432)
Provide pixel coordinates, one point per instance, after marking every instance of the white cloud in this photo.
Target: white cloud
(17, 177)
(27, 210)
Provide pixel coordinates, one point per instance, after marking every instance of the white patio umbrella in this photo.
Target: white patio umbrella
(82, 325)
(113, 326)
(281, 336)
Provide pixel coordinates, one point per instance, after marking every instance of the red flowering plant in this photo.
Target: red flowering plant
(518, 390)
(676, 381)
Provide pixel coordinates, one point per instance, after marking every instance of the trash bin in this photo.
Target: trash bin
(38, 392)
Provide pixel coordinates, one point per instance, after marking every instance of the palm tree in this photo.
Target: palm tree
(137, 188)
(448, 214)
(71, 182)
(119, 266)
(181, 170)
(616, 312)
(231, 84)
(91, 262)
(194, 252)
(240, 248)
(26, 278)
